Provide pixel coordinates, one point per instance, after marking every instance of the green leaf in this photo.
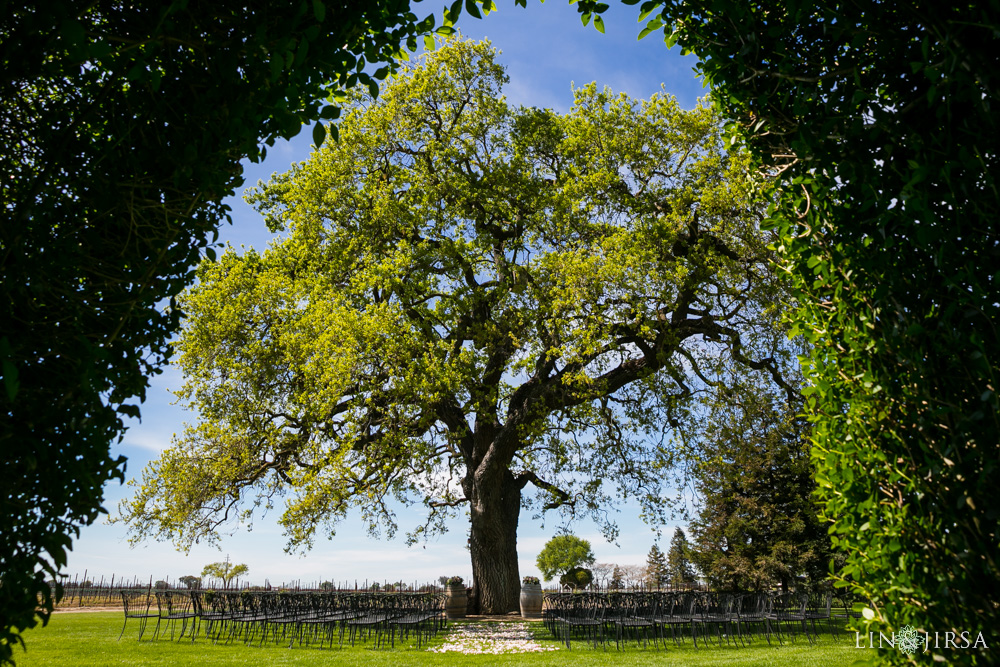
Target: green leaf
(319, 10)
(10, 380)
(130, 410)
(652, 26)
(330, 112)
(473, 9)
(599, 24)
(429, 43)
(647, 9)
(452, 14)
(319, 134)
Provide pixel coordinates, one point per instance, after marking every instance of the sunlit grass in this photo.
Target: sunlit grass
(92, 639)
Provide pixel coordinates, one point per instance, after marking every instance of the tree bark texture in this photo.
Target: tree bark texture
(494, 505)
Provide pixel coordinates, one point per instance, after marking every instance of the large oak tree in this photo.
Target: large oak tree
(470, 300)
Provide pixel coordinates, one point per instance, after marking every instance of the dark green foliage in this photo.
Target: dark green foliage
(882, 120)
(657, 570)
(680, 568)
(757, 526)
(577, 578)
(121, 128)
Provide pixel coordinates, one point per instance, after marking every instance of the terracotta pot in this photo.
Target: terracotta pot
(456, 602)
(531, 601)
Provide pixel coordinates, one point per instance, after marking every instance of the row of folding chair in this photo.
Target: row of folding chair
(314, 617)
(705, 618)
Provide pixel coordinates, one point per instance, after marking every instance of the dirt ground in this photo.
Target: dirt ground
(71, 609)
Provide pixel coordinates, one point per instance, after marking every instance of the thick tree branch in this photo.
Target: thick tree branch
(561, 497)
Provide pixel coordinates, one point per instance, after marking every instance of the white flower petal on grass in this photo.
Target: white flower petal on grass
(491, 638)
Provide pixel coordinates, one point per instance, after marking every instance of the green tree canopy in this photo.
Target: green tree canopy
(563, 553)
(190, 581)
(470, 299)
(225, 571)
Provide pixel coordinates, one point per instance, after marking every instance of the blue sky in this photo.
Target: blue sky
(545, 49)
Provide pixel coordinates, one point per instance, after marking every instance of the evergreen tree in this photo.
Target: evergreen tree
(758, 525)
(657, 571)
(680, 570)
(617, 580)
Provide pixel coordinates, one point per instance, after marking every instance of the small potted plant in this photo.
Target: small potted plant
(531, 597)
(458, 601)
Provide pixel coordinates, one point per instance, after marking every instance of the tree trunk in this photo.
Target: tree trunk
(495, 502)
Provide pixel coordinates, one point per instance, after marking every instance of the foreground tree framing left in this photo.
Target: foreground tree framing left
(122, 126)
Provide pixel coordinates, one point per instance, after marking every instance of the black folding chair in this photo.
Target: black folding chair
(137, 605)
(176, 606)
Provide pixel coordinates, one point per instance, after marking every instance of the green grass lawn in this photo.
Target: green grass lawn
(92, 639)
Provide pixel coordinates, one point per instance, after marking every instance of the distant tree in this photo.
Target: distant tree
(327, 586)
(633, 576)
(657, 572)
(617, 581)
(563, 553)
(190, 581)
(225, 571)
(602, 572)
(577, 578)
(680, 569)
(161, 585)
